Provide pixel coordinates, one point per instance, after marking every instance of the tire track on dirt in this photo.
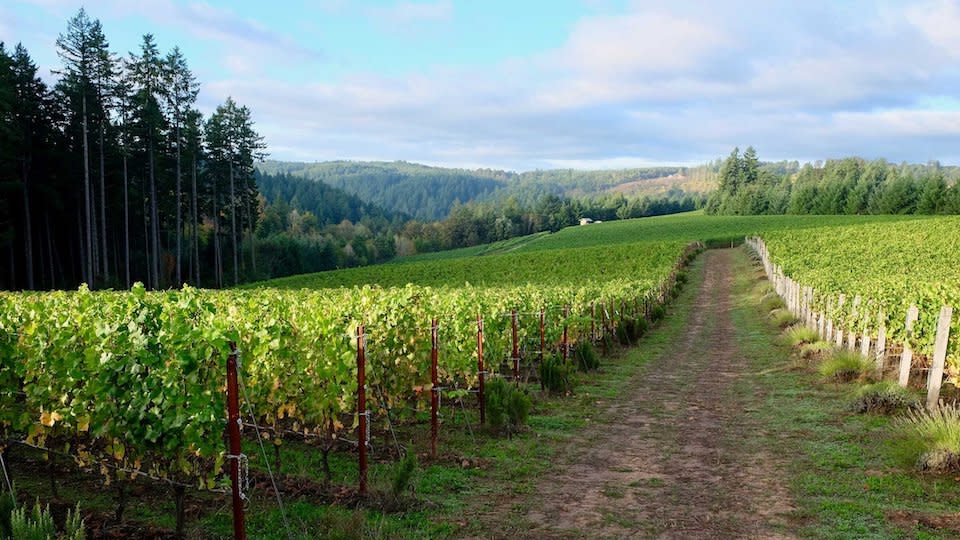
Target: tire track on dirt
(677, 457)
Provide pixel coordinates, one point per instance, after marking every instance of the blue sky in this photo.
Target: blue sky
(563, 83)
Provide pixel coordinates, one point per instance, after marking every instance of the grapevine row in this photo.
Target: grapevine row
(136, 378)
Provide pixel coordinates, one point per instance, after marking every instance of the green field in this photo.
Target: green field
(526, 260)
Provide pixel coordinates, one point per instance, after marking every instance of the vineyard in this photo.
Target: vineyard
(882, 269)
(133, 384)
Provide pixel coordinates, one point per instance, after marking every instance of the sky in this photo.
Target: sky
(538, 84)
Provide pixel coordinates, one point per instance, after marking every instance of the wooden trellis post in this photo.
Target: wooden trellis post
(906, 357)
(935, 376)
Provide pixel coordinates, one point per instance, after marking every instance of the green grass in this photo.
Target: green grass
(798, 335)
(783, 318)
(495, 248)
(884, 397)
(845, 366)
(935, 437)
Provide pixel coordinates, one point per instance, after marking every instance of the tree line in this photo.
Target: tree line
(843, 186)
(112, 175)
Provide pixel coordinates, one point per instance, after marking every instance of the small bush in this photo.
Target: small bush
(886, 397)
(518, 408)
(555, 375)
(585, 356)
(783, 318)
(676, 289)
(845, 366)
(623, 334)
(798, 334)
(7, 505)
(402, 474)
(936, 435)
(38, 524)
(506, 405)
(637, 328)
(607, 342)
(631, 331)
(657, 313)
(771, 301)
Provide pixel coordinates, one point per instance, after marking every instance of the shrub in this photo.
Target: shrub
(402, 474)
(783, 318)
(676, 289)
(936, 436)
(798, 334)
(607, 341)
(38, 524)
(623, 334)
(506, 405)
(518, 408)
(886, 397)
(637, 328)
(585, 356)
(771, 301)
(555, 375)
(657, 312)
(845, 366)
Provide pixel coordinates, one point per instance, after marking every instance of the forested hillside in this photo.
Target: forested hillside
(430, 193)
(423, 192)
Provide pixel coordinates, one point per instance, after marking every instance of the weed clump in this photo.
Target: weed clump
(936, 436)
(506, 406)
(38, 523)
(798, 334)
(585, 356)
(845, 366)
(885, 397)
(402, 474)
(657, 313)
(771, 301)
(783, 318)
(555, 375)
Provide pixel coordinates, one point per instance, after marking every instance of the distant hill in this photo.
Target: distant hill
(420, 191)
(428, 193)
(329, 204)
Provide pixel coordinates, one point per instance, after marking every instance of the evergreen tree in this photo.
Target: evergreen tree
(149, 122)
(76, 50)
(182, 93)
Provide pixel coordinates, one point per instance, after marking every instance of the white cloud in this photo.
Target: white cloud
(640, 44)
(899, 123)
(937, 21)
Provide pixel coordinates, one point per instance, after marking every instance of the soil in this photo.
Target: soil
(671, 459)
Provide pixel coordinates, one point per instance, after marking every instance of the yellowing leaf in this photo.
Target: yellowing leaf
(49, 418)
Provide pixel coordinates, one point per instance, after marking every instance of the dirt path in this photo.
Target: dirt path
(675, 458)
